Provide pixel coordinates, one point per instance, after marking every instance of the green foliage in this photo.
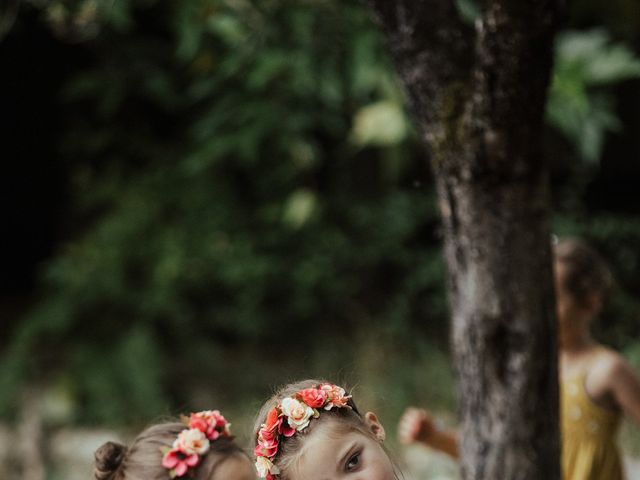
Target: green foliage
(578, 107)
(234, 179)
(469, 9)
(247, 195)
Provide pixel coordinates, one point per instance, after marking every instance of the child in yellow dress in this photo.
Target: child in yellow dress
(597, 386)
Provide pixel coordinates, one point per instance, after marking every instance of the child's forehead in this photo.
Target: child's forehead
(332, 426)
(323, 449)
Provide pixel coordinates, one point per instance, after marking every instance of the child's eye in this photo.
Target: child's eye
(353, 462)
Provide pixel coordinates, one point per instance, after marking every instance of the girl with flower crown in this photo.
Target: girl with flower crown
(312, 430)
(200, 447)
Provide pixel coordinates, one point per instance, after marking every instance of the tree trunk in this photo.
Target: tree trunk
(478, 97)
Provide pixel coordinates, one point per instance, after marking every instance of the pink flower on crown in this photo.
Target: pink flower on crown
(286, 429)
(336, 396)
(267, 436)
(179, 462)
(211, 423)
(192, 442)
(313, 397)
(267, 449)
(267, 443)
(298, 413)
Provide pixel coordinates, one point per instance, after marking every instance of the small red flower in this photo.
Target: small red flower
(313, 397)
(211, 423)
(179, 462)
(273, 420)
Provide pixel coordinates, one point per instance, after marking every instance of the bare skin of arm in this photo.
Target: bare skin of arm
(612, 383)
(417, 426)
(626, 390)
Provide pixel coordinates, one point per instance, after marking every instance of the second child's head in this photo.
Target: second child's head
(583, 281)
(199, 448)
(312, 430)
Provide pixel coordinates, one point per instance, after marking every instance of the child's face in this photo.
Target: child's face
(237, 467)
(330, 452)
(568, 308)
(565, 303)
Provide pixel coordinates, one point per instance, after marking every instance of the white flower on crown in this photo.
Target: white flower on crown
(298, 413)
(264, 466)
(192, 441)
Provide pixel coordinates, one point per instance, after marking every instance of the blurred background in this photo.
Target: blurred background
(203, 199)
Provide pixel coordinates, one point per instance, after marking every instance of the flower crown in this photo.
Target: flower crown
(194, 442)
(297, 410)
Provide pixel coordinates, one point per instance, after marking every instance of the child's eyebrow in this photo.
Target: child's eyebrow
(345, 456)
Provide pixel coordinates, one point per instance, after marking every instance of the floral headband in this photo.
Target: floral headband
(194, 442)
(297, 410)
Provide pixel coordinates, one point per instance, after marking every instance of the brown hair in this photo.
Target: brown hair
(143, 460)
(586, 272)
(350, 418)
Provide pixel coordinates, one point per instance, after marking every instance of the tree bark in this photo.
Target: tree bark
(478, 96)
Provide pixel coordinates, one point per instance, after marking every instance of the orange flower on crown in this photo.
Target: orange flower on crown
(336, 396)
(314, 397)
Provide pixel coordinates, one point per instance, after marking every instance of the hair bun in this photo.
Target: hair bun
(109, 457)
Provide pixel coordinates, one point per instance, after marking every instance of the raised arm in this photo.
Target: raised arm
(418, 426)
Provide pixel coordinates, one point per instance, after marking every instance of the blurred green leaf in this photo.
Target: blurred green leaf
(586, 61)
(382, 123)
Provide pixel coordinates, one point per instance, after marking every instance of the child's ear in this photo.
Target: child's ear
(374, 426)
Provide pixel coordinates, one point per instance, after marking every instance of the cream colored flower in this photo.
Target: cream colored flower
(192, 441)
(264, 466)
(298, 413)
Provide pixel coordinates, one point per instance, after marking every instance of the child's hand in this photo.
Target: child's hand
(416, 425)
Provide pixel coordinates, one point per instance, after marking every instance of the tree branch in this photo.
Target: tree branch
(433, 50)
(515, 42)
(514, 57)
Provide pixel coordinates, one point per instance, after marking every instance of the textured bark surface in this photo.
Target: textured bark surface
(478, 95)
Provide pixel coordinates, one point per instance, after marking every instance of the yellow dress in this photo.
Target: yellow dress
(589, 448)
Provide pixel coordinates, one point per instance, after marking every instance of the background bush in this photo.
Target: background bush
(233, 197)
